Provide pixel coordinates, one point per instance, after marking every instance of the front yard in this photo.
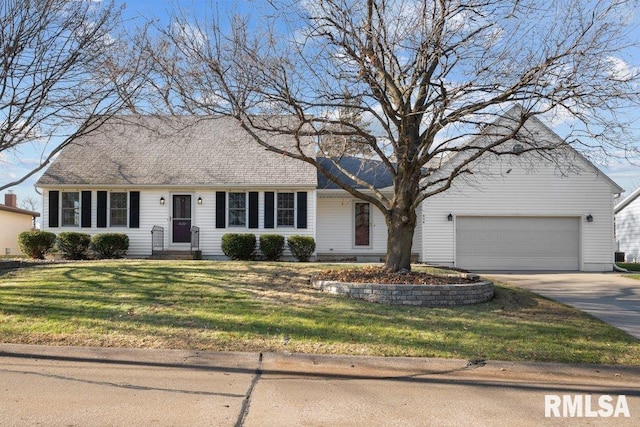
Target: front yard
(259, 306)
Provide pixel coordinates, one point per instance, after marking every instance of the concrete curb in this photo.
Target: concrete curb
(319, 364)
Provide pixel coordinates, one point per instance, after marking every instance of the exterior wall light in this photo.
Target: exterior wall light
(199, 200)
(162, 200)
(589, 218)
(450, 217)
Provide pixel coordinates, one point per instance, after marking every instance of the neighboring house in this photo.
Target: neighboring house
(628, 226)
(14, 221)
(518, 212)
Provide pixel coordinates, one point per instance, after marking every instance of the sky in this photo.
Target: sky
(623, 173)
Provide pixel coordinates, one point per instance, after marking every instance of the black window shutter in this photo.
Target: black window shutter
(221, 199)
(85, 207)
(101, 205)
(54, 198)
(268, 209)
(302, 209)
(253, 209)
(134, 209)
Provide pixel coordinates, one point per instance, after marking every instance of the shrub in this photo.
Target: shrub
(110, 245)
(272, 246)
(74, 245)
(36, 244)
(301, 247)
(239, 246)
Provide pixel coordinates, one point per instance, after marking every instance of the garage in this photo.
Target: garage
(517, 243)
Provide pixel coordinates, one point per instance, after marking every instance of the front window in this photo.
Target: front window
(286, 210)
(362, 224)
(118, 209)
(237, 209)
(71, 208)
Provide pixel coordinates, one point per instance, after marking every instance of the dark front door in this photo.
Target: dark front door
(181, 218)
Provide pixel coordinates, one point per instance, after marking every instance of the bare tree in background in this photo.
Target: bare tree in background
(30, 203)
(340, 140)
(426, 77)
(62, 74)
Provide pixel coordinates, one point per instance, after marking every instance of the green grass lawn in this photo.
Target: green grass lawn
(631, 266)
(251, 306)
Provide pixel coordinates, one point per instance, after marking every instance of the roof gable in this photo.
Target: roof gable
(176, 151)
(574, 161)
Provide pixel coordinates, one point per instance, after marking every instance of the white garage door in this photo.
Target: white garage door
(518, 243)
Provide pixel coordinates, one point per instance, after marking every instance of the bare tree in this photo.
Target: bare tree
(62, 73)
(426, 77)
(30, 203)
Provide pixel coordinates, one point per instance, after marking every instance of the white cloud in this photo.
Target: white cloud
(620, 70)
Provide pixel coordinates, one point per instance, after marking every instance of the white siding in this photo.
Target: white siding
(153, 213)
(513, 188)
(628, 230)
(336, 228)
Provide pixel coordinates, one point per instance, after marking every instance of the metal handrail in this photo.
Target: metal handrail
(157, 238)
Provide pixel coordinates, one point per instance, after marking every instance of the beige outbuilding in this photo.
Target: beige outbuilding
(13, 221)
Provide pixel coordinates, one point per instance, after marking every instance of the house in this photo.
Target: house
(14, 221)
(627, 214)
(137, 174)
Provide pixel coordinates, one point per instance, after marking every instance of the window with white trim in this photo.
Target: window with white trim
(285, 212)
(71, 208)
(237, 209)
(118, 209)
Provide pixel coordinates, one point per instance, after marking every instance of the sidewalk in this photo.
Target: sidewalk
(58, 386)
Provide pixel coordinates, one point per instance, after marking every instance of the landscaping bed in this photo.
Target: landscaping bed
(378, 275)
(411, 288)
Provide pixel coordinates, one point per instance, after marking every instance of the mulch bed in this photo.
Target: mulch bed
(377, 275)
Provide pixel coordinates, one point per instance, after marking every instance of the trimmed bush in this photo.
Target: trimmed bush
(272, 246)
(110, 245)
(239, 245)
(301, 247)
(74, 245)
(36, 244)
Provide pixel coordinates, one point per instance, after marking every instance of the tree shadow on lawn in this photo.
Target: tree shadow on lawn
(219, 306)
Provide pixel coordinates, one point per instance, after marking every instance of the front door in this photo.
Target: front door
(181, 220)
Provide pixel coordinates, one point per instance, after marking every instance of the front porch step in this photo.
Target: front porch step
(175, 255)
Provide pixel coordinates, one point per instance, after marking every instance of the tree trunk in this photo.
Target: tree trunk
(401, 224)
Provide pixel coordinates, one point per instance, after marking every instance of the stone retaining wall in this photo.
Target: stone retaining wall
(419, 295)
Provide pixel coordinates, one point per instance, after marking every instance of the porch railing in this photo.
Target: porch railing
(195, 239)
(157, 238)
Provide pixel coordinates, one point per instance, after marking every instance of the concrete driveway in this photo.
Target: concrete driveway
(611, 297)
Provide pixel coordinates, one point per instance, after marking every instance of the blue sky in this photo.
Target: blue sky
(624, 173)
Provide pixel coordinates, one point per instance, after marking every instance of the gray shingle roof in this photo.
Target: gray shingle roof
(176, 151)
(372, 171)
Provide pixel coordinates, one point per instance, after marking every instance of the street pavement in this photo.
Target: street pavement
(77, 386)
(611, 297)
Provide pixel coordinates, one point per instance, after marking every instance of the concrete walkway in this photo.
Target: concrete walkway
(611, 297)
(63, 386)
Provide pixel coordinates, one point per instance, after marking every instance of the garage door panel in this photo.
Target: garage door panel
(518, 243)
